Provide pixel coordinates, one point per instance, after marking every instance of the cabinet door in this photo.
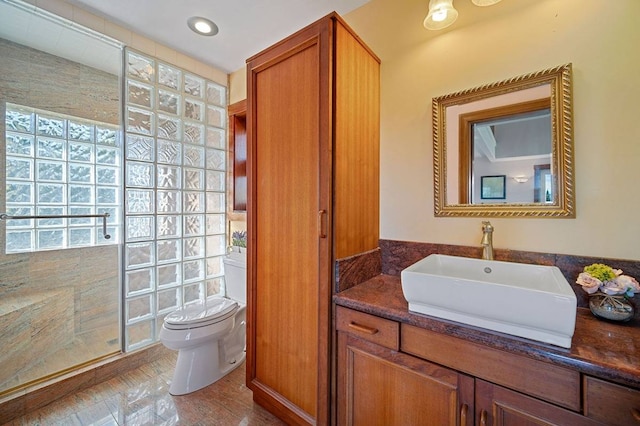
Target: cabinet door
(611, 403)
(498, 406)
(380, 386)
(288, 269)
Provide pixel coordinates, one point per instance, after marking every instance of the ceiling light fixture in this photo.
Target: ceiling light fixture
(202, 26)
(485, 2)
(441, 14)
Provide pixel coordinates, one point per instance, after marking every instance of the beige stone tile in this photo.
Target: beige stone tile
(50, 414)
(58, 7)
(160, 367)
(44, 396)
(186, 62)
(211, 73)
(116, 31)
(143, 44)
(88, 19)
(166, 54)
(124, 362)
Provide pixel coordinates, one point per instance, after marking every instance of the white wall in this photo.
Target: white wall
(600, 38)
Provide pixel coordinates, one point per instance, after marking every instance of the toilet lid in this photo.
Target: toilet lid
(203, 311)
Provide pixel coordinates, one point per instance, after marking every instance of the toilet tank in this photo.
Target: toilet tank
(235, 275)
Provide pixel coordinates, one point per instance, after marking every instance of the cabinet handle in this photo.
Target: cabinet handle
(463, 414)
(636, 414)
(363, 328)
(322, 233)
(483, 418)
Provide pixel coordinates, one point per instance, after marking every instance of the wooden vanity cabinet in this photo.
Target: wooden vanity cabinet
(390, 373)
(313, 158)
(548, 382)
(499, 406)
(378, 385)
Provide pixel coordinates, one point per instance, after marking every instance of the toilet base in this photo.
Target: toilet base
(200, 367)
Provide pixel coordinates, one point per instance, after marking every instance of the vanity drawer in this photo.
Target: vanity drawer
(378, 330)
(542, 380)
(611, 403)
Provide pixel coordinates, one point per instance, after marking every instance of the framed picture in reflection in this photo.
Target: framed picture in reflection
(493, 187)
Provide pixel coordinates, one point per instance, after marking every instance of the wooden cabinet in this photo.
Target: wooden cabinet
(398, 374)
(557, 385)
(377, 385)
(237, 128)
(610, 403)
(313, 136)
(499, 406)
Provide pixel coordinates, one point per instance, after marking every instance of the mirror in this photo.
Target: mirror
(506, 149)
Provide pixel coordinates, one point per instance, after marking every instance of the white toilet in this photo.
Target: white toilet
(209, 335)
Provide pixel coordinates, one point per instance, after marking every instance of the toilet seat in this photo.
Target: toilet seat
(201, 314)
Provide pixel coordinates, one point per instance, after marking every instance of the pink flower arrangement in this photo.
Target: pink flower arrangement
(602, 278)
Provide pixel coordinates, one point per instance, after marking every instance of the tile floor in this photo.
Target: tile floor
(141, 397)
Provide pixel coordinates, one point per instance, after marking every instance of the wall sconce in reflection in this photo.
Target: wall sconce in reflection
(442, 13)
(520, 179)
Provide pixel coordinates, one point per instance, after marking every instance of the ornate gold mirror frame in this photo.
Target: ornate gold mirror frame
(561, 165)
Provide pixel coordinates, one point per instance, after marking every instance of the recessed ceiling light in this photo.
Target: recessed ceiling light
(202, 26)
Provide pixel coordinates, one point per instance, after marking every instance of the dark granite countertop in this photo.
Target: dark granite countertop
(601, 349)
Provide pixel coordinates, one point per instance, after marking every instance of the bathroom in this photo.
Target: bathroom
(598, 42)
(95, 273)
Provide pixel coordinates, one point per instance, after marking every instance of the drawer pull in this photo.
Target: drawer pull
(483, 418)
(363, 328)
(463, 414)
(636, 414)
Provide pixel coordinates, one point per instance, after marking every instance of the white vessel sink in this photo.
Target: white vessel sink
(531, 301)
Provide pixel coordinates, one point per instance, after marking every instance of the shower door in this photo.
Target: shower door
(60, 196)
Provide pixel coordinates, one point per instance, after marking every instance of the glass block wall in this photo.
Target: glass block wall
(60, 165)
(175, 130)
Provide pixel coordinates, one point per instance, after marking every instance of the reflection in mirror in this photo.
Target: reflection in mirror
(509, 140)
(520, 129)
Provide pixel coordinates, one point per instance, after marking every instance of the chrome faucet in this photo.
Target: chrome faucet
(487, 241)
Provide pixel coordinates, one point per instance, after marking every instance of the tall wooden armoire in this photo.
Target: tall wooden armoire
(313, 182)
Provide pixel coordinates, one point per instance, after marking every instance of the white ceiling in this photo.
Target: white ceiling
(246, 26)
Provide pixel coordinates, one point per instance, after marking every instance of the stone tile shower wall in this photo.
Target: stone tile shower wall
(58, 308)
(175, 125)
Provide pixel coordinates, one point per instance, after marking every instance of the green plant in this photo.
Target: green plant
(239, 238)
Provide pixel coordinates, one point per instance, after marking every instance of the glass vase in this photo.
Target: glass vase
(613, 308)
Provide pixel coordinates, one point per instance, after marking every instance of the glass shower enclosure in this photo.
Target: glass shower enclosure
(60, 193)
